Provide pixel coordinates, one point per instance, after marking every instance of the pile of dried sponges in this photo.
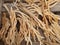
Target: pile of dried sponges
(28, 21)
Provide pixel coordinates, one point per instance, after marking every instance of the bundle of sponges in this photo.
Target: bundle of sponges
(27, 22)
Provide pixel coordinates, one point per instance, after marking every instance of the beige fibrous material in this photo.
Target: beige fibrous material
(30, 21)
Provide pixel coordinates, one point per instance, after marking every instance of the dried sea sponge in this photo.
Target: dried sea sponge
(30, 23)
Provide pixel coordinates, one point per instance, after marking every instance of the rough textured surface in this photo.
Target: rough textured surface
(56, 8)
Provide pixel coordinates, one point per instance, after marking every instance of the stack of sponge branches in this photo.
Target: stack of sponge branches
(30, 21)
